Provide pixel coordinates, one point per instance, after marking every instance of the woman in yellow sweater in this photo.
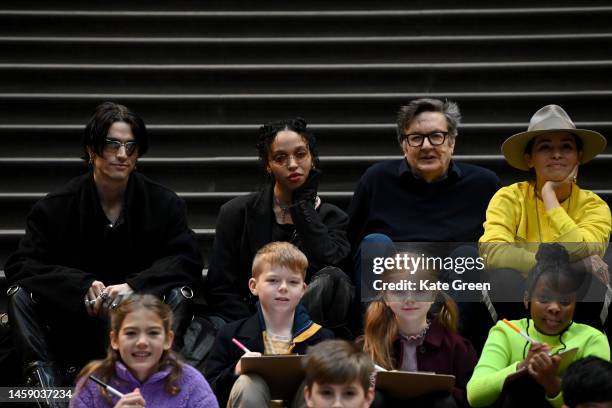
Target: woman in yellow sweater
(551, 208)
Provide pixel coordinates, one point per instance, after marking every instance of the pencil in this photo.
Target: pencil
(107, 387)
(379, 368)
(519, 331)
(240, 346)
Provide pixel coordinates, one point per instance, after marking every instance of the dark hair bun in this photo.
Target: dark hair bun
(552, 254)
(300, 123)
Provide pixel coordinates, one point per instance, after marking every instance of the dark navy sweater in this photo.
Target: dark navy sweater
(389, 199)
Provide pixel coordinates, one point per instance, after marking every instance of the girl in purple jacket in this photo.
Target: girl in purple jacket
(141, 365)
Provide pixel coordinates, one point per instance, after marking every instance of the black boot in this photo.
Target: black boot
(30, 337)
(45, 376)
(29, 333)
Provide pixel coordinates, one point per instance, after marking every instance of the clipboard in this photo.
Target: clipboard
(404, 384)
(567, 358)
(283, 374)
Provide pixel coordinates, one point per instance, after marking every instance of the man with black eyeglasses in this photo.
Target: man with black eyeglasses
(425, 196)
(99, 238)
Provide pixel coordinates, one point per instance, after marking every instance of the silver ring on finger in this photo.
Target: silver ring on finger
(104, 295)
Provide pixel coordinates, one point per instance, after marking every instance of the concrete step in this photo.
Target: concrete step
(303, 49)
(202, 140)
(218, 174)
(441, 77)
(57, 108)
(276, 5)
(323, 22)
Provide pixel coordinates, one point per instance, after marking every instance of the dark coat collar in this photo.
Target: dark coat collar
(90, 207)
(301, 320)
(90, 200)
(435, 334)
(250, 333)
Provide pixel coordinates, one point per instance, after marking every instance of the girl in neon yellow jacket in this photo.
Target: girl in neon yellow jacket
(550, 300)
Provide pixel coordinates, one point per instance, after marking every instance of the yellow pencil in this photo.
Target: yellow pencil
(519, 331)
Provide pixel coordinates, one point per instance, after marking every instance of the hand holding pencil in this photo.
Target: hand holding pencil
(133, 399)
(535, 348)
(247, 353)
(130, 400)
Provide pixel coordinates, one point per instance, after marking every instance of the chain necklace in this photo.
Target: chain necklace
(284, 209)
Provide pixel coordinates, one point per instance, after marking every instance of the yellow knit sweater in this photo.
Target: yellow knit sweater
(516, 215)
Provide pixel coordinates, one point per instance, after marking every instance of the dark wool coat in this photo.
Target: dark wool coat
(68, 244)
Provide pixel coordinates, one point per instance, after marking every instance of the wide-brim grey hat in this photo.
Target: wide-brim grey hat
(551, 118)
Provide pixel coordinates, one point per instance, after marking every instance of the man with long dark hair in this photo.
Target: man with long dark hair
(100, 237)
